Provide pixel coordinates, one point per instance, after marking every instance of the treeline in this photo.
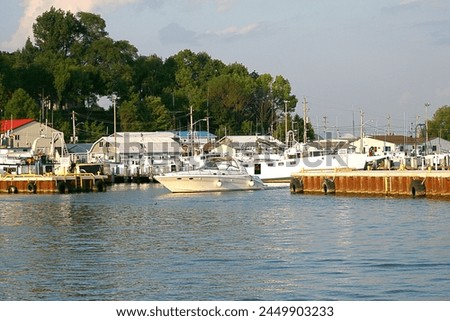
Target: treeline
(73, 62)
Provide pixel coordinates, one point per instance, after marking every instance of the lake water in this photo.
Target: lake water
(139, 242)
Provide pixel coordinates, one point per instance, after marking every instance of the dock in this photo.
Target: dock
(395, 183)
(50, 183)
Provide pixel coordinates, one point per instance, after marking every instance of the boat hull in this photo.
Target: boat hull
(214, 183)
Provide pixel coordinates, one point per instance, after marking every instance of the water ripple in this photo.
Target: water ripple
(138, 242)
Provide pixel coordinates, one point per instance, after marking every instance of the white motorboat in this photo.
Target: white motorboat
(274, 167)
(218, 174)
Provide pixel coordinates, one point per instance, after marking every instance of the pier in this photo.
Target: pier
(70, 183)
(398, 183)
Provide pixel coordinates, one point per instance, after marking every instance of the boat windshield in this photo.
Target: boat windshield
(223, 164)
(210, 165)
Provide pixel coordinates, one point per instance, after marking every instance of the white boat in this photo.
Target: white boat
(274, 167)
(218, 174)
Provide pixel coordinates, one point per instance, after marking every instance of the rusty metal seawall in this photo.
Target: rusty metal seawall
(69, 183)
(389, 183)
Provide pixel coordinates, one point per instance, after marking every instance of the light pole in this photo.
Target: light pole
(361, 143)
(114, 98)
(426, 127)
(286, 122)
(192, 133)
(305, 126)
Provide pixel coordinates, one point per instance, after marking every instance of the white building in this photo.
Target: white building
(395, 144)
(137, 153)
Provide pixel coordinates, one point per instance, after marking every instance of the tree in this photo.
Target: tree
(56, 31)
(149, 76)
(129, 115)
(91, 131)
(158, 116)
(21, 105)
(439, 126)
(73, 62)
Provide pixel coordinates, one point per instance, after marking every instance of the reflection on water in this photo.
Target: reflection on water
(139, 242)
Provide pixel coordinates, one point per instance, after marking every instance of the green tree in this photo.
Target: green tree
(56, 31)
(21, 105)
(439, 126)
(129, 115)
(229, 96)
(91, 131)
(158, 116)
(3, 96)
(192, 73)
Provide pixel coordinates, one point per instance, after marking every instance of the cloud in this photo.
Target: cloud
(224, 5)
(235, 31)
(34, 8)
(408, 2)
(221, 5)
(174, 34)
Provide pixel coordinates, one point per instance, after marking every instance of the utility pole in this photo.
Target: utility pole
(426, 127)
(286, 122)
(191, 130)
(73, 127)
(305, 127)
(114, 97)
(361, 131)
(325, 126)
(389, 124)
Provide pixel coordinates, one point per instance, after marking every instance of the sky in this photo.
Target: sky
(388, 60)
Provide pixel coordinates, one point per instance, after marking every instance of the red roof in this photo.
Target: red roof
(13, 124)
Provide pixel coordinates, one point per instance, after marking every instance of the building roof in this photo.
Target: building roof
(185, 134)
(398, 139)
(81, 148)
(6, 125)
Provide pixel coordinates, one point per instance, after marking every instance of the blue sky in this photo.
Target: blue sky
(384, 57)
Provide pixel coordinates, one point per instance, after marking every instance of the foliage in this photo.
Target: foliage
(439, 126)
(21, 105)
(73, 62)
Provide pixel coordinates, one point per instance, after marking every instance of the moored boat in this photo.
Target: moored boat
(275, 167)
(218, 174)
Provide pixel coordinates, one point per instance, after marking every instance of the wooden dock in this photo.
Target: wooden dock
(412, 183)
(70, 183)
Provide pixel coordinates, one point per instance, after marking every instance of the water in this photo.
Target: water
(139, 242)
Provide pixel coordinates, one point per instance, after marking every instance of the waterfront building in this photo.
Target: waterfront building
(137, 153)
